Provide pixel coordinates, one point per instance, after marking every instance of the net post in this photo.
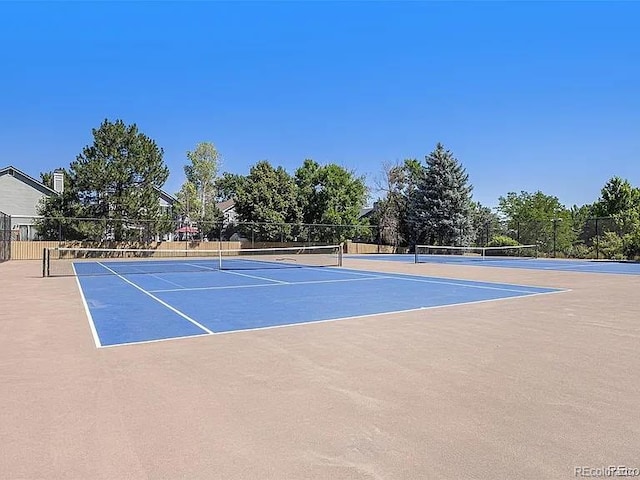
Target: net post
(415, 254)
(340, 251)
(220, 259)
(44, 262)
(48, 262)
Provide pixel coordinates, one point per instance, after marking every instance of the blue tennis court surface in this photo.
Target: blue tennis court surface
(586, 266)
(132, 308)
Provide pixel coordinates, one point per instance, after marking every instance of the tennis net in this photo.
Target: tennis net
(126, 261)
(438, 253)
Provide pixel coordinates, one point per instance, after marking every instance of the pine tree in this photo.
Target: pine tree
(116, 180)
(439, 208)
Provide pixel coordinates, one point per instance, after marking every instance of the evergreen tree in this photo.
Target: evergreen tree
(58, 213)
(115, 180)
(439, 208)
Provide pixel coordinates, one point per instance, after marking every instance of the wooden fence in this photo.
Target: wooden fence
(33, 250)
(26, 250)
(367, 248)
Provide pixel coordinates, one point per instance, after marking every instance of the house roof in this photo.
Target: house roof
(167, 197)
(38, 185)
(226, 205)
(366, 212)
(23, 177)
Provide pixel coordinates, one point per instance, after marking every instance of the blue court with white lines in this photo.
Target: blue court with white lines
(133, 308)
(566, 265)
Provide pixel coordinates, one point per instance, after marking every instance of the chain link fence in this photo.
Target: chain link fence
(589, 238)
(96, 230)
(5, 237)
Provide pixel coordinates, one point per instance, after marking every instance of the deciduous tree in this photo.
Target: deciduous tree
(537, 218)
(268, 198)
(330, 195)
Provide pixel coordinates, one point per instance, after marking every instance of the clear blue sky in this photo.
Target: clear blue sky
(528, 96)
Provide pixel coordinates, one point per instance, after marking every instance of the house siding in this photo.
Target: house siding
(17, 198)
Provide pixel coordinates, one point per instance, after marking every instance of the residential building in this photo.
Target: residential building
(228, 209)
(21, 194)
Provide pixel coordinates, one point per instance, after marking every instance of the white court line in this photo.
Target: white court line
(424, 280)
(399, 277)
(368, 315)
(256, 277)
(444, 282)
(157, 340)
(209, 269)
(175, 310)
(457, 284)
(168, 281)
(569, 267)
(418, 309)
(92, 326)
(237, 273)
(536, 266)
(231, 287)
(156, 276)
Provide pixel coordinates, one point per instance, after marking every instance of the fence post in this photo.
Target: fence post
(555, 230)
(597, 241)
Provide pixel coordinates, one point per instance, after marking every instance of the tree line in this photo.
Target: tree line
(112, 192)
(431, 203)
(117, 179)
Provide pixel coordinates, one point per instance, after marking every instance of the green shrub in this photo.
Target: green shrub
(580, 250)
(502, 241)
(631, 245)
(611, 246)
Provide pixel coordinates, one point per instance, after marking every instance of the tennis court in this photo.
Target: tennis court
(131, 300)
(567, 265)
